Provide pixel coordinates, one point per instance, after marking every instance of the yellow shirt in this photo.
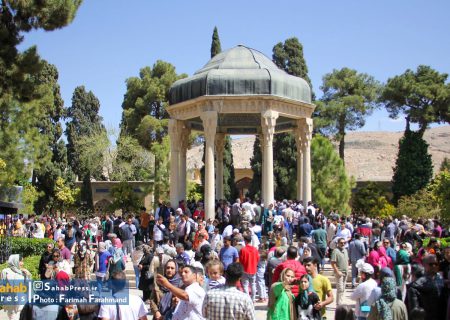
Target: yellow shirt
(321, 286)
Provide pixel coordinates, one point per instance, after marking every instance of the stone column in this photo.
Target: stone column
(174, 134)
(306, 137)
(299, 144)
(209, 119)
(268, 121)
(263, 183)
(219, 144)
(184, 142)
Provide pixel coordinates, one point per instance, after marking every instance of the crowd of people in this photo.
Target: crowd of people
(191, 267)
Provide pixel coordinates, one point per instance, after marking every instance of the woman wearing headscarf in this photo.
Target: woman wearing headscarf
(45, 259)
(281, 298)
(402, 269)
(201, 230)
(385, 260)
(57, 265)
(14, 272)
(374, 257)
(161, 302)
(83, 261)
(101, 262)
(388, 307)
(69, 236)
(306, 300)
(117, 262)
(146, 279)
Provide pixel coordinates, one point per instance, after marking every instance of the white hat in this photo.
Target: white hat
(366, 268)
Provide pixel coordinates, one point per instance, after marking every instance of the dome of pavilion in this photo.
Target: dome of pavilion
(240, 71)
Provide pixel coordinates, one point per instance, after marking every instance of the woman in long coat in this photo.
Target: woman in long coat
(146, 281)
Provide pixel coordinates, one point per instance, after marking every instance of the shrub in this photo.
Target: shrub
(444, 242)
(29, 246)
(29, 263)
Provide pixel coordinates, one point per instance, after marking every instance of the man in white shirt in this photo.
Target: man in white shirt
(191, 298)
(363, 290)
(135, 309)
(344, 233)
(158, 229)
(311, 207)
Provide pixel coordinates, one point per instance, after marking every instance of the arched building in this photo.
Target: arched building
(239, 91)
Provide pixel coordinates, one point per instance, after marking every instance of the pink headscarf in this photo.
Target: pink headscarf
(385, 260)
(117, 243)
(373, 258)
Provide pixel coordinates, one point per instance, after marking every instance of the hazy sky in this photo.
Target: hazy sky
(110, 41)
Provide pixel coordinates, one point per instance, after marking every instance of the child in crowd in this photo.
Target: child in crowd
(215, 271)
(260, 279)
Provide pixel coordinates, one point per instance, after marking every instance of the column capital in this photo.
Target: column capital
(306, 130)
(209, 119)
(268, 122)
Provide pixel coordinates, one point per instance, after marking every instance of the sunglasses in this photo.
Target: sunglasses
(433, 264)
(56, 256)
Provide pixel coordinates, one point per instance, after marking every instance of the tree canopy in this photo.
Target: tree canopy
(23, 96)
(413, 168)
(84, 128)
(144, 117)
(349, 97)
(423, 96)
(331, 188)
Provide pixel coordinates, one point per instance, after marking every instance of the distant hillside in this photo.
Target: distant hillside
(369, 156)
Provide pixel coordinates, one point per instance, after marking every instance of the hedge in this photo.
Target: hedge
(29, 246)
(444, 242)
(30, 263)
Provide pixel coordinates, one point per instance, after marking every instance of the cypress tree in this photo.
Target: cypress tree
(216, 48)
(288, 56)
(255, 189)
(84, 121)
(413, 167)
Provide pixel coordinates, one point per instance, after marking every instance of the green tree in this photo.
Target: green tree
(50, 130)
(229, 186)
(130, 161)
(29, 196)
(423, 96)
(194, 191)
(331, 187)
(349, 97)
(145, 118)
(288, 56)
(125, 198)
(82, 129)
(370, 200)
(22, 96)
(413, 168)
(441, 191)
(418, 205)
(255, 188)
(66, 196)
(285, 166)
(445, 165)
(216, 48)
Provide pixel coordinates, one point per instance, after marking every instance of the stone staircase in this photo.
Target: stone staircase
(129, 272)
(328, 272)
